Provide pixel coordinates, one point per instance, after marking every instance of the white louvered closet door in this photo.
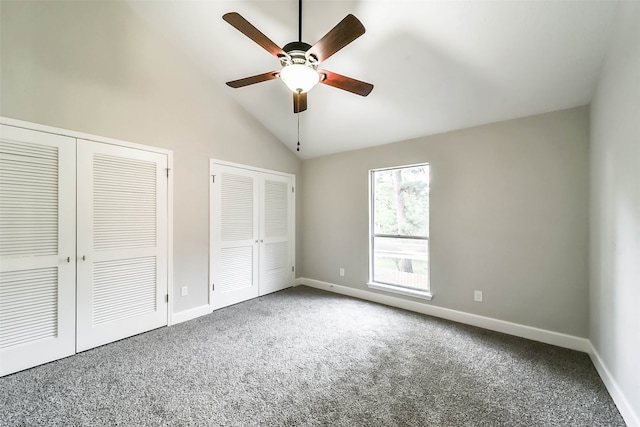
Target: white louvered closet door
(234, 235)
(276, 231)
(37, 248)
(122, 242)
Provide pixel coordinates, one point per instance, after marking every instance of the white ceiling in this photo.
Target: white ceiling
(437, 66)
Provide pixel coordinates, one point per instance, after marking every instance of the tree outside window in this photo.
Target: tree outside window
(400, 226)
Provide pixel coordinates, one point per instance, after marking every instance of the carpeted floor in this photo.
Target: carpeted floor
(312, 358)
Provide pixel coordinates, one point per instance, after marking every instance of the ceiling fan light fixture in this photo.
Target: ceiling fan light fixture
(299, 78)
(299, 61)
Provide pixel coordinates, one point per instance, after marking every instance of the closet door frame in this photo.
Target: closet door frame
(105, 140)
(213, 163)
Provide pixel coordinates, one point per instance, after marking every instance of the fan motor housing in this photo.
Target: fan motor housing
(297, 54)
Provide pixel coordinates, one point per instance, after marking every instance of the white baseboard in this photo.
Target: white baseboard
(630, 416)
(536, 334)
(192, 313)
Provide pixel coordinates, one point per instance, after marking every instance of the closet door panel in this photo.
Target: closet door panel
(122, 242)
(37, 248)
(276, 251)
(234, 236)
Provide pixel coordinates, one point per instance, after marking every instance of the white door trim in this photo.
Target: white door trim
(251, 168)
(81, 135)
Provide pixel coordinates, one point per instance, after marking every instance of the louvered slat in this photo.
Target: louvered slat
(124, 202)
(276, 208)
(28, 306)
(237, 207)
(235, 268)
(123, 289)
(28, 199)
(276, 263)
(25, 149)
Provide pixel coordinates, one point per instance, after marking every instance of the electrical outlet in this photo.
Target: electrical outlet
(184, 291)
(342, 272)
(477, 296)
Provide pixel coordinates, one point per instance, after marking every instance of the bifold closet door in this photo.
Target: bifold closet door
(234, 235)
(276, 226)
(37, 248)
(122, 242)
(252, 233)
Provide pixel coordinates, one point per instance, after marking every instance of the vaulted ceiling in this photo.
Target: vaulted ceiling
(437, 66)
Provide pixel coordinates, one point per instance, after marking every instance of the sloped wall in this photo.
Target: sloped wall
(96, 67)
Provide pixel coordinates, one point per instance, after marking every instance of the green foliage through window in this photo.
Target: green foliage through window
(402, 201)
(400, 229)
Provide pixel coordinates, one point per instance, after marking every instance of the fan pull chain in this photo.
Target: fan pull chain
(298, 148)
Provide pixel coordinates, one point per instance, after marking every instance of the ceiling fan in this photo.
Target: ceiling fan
(300, 60)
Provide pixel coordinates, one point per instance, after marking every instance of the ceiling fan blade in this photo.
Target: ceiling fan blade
(246, 28)
(299, 102)
(345, 83)
(347, 30)
(253, 79)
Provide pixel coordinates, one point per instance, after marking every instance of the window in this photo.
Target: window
(399, 230)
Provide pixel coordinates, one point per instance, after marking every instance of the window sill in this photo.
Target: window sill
(402, 291)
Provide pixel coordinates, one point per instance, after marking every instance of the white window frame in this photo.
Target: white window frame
(397, 289)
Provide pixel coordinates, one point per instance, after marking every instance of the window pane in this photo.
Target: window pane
(403, 262)
(401, 201)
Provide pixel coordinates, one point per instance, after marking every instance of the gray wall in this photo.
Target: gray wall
(615, 209)
(96, 67)
(509, 216)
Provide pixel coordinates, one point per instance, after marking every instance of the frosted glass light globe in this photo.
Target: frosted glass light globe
(299, 78)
